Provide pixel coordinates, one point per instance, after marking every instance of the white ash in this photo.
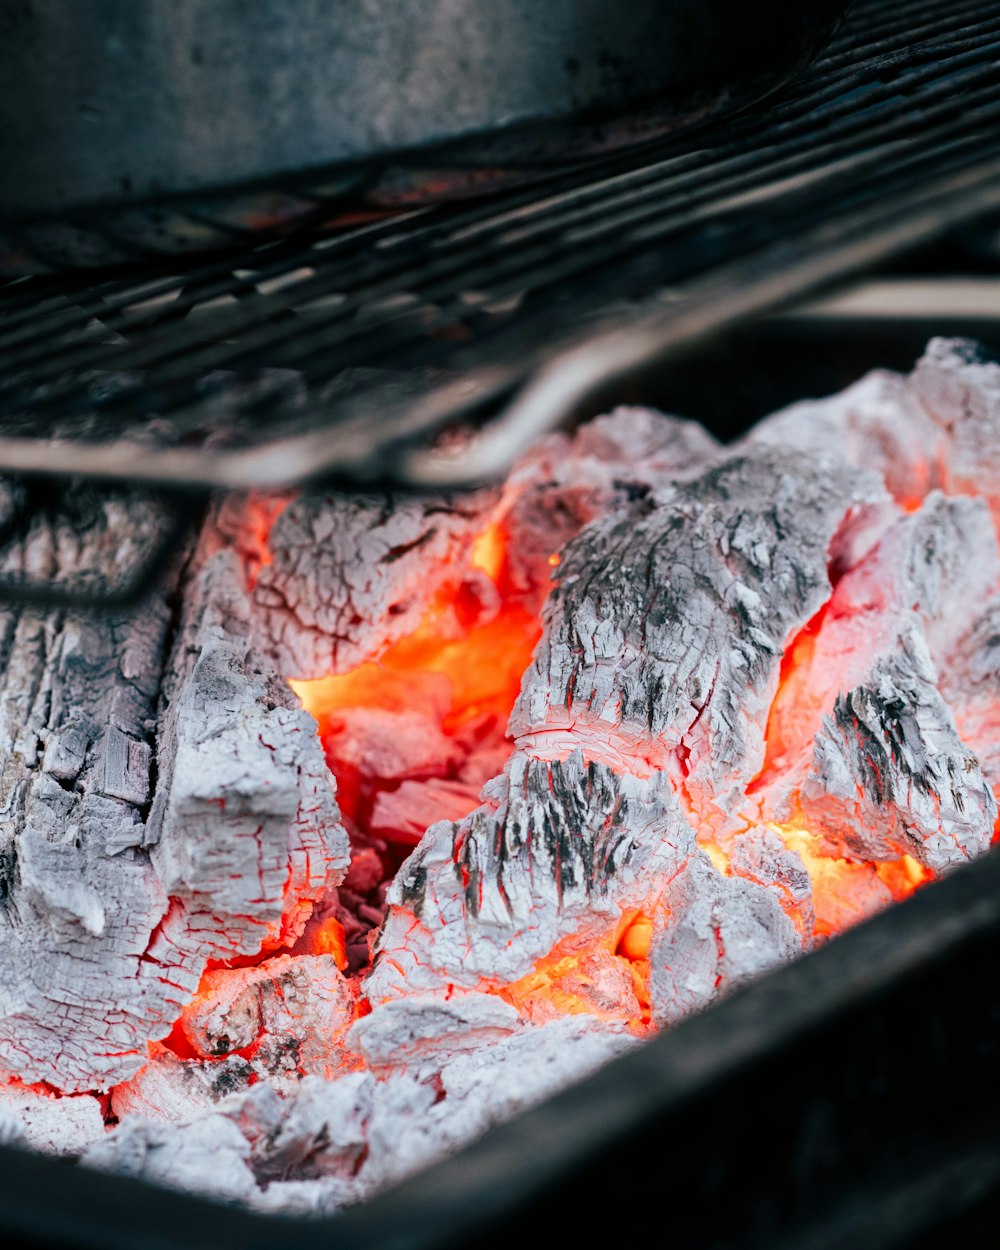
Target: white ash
(657, 712)
(480, 1088)
(557, 849)
(208, 1155)
(80, 897)
(970, 681)
(890, 775)
(35, 1117)
(109, 919)
(960, 390)
(172, 1089)
(246, 807)
(350, 575)
(405, 1033)
(881, 768)
(664, 637)
(760, 856)
(721, 932)
(565, 482)
(936, 427)
(334, 1142)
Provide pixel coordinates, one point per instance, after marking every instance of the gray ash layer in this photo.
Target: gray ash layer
(673, 786)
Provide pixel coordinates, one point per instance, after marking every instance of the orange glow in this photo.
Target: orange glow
(479, 671)
(411, 735)
(795, 705)
(718, 857)
(635, 942)
(258, 517)
(328, 939)
(904, 876)
(461, 669)
(605, 977)
(489, 552)
(846, 892)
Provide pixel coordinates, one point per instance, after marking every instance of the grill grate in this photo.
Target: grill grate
(344, 354)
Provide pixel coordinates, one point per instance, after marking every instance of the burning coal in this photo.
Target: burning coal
(399, 814)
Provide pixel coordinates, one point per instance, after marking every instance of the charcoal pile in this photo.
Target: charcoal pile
(387, 817)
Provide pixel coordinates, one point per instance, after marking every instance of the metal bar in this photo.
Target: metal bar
(938, 68)
(92, 595)
(629, 232)
(751, 284)
(187, 348)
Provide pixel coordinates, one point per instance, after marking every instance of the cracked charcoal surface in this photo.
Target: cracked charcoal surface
(768, 672)
(890, 775)
(664, 637)
(80, 897)
(349, 575)
(557, 849)
(109, 918)
(873, 761)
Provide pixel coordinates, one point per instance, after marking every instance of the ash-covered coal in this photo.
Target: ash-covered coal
(393, 816)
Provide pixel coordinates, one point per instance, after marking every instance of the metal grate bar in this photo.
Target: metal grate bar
(231, 371)
(613, 207)
(524, 248)
(229, 284)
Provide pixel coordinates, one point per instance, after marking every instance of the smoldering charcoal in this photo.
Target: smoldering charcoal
(387, 818)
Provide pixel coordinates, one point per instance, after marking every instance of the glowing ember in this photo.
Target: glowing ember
(458, 674)
(606, 743)
(605, 978)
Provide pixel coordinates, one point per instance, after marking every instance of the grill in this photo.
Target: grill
(425, 350)
(345, 355)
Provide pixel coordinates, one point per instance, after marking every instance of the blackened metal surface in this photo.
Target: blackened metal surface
(111, 103)
(336, 354)
(850, 1101)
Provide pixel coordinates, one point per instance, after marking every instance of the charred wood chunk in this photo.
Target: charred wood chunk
(350, 575)
(79, 897)
(36, 1117)
(177, 1090)
(958, 385)
(938, 427)
(406, 1033)
(721, 932)
(244, 821)
(205, 1155)
(324, 1144)
(863, 747)
(564, 483)
(927, 566)
(287, 1015)
(110, 910)
(878, 423)
(890, 775)
(970, 682)
(760, 855)
(665, 634)
(558, 848)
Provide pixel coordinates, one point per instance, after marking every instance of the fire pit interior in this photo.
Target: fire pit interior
(391, 815)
